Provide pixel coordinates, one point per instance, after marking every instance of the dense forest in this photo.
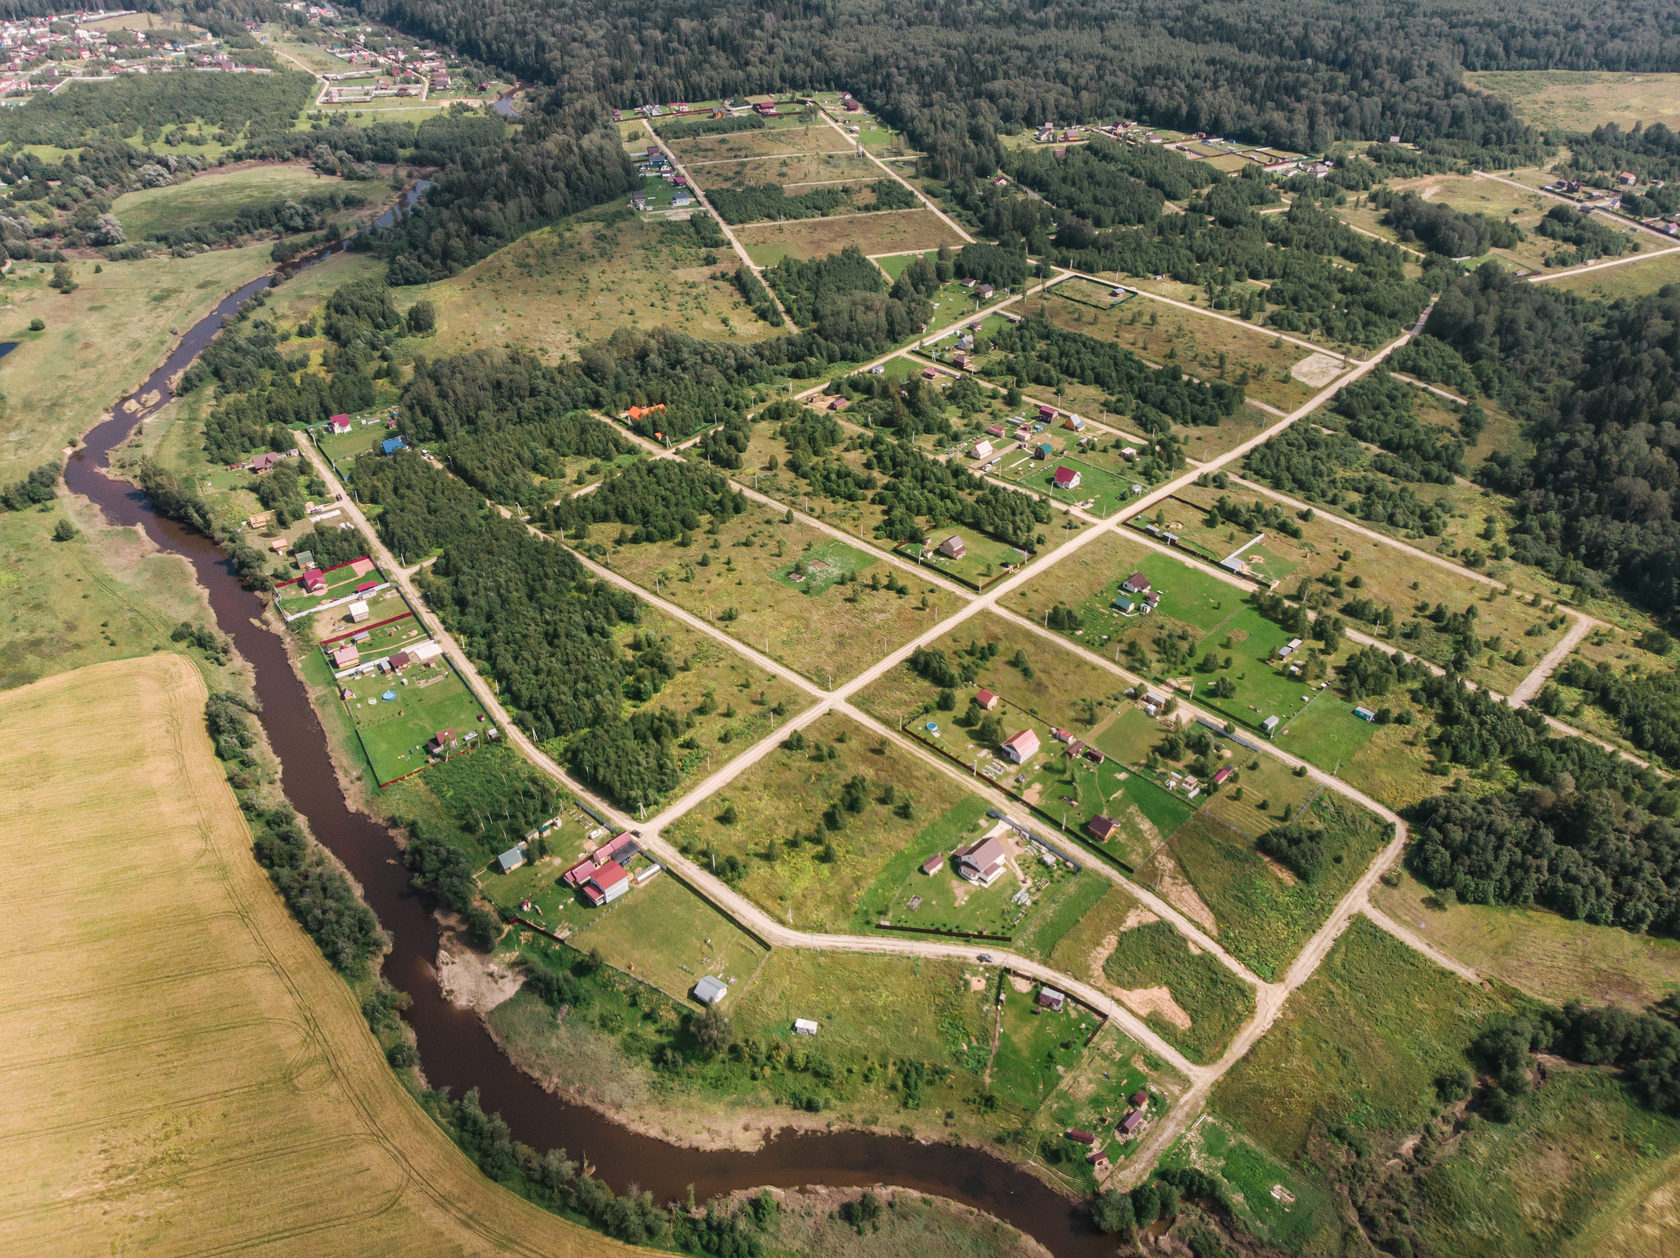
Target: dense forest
(952, 73)
(1599, 389)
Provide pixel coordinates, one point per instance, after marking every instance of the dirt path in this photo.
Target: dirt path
(894, 175)
(1530, 686)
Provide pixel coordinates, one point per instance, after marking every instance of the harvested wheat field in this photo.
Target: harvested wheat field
(184, 1072)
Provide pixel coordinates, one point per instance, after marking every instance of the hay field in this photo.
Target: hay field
(1579, 100)
(186, 1073)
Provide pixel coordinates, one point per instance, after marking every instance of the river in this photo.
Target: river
(455, 1049)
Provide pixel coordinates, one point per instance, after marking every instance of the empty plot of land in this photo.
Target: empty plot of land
(794, 169)
(170, 1032)
(818, 137)
(560, 287)
(1207, 348)
(1633, 279)
(890, 231)
(1579, 100)
(216, 197)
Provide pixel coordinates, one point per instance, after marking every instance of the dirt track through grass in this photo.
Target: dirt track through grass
(168, 1032)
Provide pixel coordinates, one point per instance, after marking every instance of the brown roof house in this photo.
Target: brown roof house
(983, 861)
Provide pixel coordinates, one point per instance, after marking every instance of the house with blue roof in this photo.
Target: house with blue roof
(392, 444)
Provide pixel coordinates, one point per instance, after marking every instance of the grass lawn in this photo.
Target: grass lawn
(666, 935)
(1205, 347)
(1579, 100)
(821, 567)
(100, 341)
(428, 697)
(216, 196)
(783, 800)
(827, 638)
(1360, 1043)
(1264, 912)
(1036, 1047)
(1548, 956)
(896, 264)
(1105, 478)
(984, 560)
(889, 232)
(561, 287)
(182, 955)
(1204, 442)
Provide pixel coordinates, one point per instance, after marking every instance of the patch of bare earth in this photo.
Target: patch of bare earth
(470, 980)
(1177, 890)
(1144, 1001)
(1286, 875)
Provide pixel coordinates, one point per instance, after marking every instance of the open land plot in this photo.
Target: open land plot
(1393, 578)
(888, 231)
(1580, 100)
(1187, 995)
(1194, 295)
(216, 196)
(105, 594)
(1265, 912)
(427, 698)
(984, 559)
(800, 850)
(1204, 442)
(895, 264)
(1281, 1206)
(798, 171)
(816, 138)
(1363, 1039)
(204, 976)
(315, 58)
(1635, 279)
(827, 636)
(1548, 956)
(100, 341)
(1360, 1045)
(666, 935)
(1207, 348)
(731, 702)
(1471, 194)
(389, 623)
(561, 287)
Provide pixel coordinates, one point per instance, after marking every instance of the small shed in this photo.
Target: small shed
(511, 859)
(804, 1026)
(710, 991)
(1051, 999)
(986, 699)
(1129, 1124)
(933, 864)
(358, 611)
(1268, 725)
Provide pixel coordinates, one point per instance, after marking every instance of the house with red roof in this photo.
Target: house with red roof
(339, 424)
(314, 581)
(1019, 748)
(986, 699)
(1066, 478)
(606, 884)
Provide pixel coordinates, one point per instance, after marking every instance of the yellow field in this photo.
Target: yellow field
(185, 1073)
(893, 231)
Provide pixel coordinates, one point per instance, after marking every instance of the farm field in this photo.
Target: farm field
(1580, 100)
(1205, 347)
(838, 633)
(203, 974)
(890, 231)
(801, 852)
(100, 341)
(216, 196)
(561, 287)
(1543, 954)
(1263, 911)
(1189, 997)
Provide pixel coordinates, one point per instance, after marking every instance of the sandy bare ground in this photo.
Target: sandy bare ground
(1157, 1000)
(470, 980)
(1178, 891)
(1317, 369)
